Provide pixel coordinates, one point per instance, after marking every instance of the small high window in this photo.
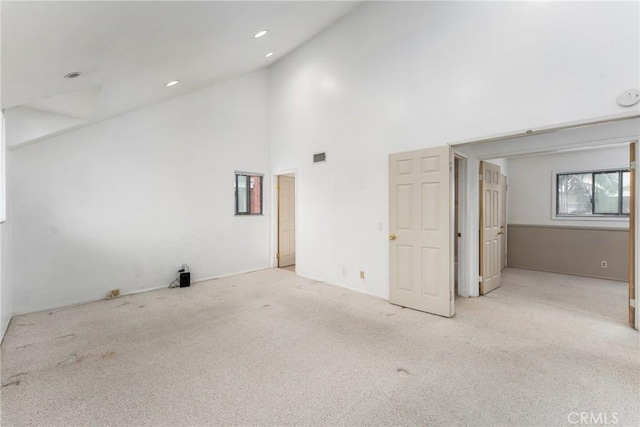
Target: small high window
(593, 193)
(248, 193)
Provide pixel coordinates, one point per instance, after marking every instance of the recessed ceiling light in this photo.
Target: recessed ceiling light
(72, 75)
(268, 54)
(260, 34)
(172, 83)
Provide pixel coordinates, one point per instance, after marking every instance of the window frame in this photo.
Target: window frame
(249, 175)
(620, 216)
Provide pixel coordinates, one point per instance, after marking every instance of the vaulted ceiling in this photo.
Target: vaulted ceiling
(128, 51)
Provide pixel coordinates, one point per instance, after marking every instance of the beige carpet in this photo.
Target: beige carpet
(606, 298)
(271, 348)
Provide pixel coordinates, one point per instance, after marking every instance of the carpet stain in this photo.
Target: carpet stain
(266, 305)
(140, 306)
(123, 304)
(403, 372)
(73, 358)
(388, 314)
(26, 324)
(23, 346)
(14, 380)
(66, 337)
(109, 355)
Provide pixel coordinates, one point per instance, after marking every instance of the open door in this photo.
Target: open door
(491, 230)
(420, 230)
(286, 221)
(632, 234)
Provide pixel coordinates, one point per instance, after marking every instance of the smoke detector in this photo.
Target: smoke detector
(629, 97)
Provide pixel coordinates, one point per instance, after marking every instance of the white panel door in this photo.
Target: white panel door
(420, 230)
(490, 227)
(286, 221)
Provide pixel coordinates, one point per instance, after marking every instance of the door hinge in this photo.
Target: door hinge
(450, 166)
(632, 303)
(632, 165)
(451, 294)
(278, 255)
(480, 279)
(277, 186)
(480, 177)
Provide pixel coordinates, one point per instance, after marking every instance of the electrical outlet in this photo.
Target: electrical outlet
(113, 293)
(603, 264)
(362, 274)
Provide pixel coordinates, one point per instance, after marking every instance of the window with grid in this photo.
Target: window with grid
(593, 193)
(248, 189)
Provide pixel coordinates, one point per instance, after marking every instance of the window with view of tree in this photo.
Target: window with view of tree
(248, 194)
(593, 193)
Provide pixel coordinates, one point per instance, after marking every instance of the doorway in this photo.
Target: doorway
(616, 131)
(286, 254)
(414, 167)
(563, 252)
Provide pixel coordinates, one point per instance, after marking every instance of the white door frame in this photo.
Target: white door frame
(274, 213)
(469, 228)
(469, 248)
(464, 227)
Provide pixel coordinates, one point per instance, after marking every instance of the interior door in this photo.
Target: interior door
(420, 230)
(286, 221)
(632, 234)
(490, 227)
(503, 222)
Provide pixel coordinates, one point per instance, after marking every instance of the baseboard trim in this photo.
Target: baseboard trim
(337, 285)
(568, 274)
(206, 279)
(4, 332)
(139, 291)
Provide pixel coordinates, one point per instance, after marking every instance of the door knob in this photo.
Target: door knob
(392, 237)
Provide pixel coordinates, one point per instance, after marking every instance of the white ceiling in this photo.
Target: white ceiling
(132, 49)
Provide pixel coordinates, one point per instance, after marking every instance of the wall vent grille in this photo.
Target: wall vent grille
(319, 157)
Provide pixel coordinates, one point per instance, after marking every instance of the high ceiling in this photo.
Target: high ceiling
(132, 49)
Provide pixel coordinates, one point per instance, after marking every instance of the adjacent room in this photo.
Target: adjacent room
(319, 213)
(564, 217)
(569, 215)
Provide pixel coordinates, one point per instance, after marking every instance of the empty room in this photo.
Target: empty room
(319, 213)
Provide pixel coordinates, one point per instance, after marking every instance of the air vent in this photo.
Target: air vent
(319, 157)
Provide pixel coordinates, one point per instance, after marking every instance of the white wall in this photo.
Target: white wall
(25, 124)
(531, 189)
(5, 288)
(503, 163)
(392, 77)
(122, 203)
(5, 257)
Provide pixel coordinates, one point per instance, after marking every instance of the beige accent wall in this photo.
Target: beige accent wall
(569, 250)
